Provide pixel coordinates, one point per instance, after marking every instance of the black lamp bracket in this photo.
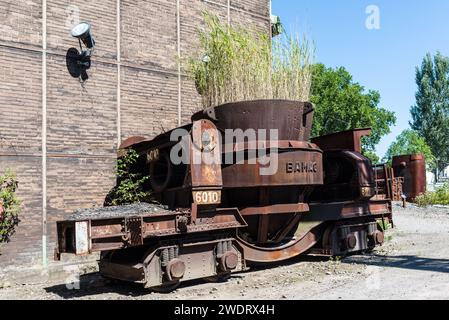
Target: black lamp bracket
(85, 52)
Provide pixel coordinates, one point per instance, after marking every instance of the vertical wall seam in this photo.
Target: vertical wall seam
(270, 6)
(178, 36)
(229, 12)
(119, 77)
(44, 134)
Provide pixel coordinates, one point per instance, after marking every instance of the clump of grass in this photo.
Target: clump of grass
(383, 225)
(292, 74)
(239, 64)
(335, 259)
(10, 205)
(438, 197)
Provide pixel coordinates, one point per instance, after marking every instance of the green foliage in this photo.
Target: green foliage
(335, 259)
(440, 197)
(9, 205)
(375, 159)
(291, 75)
(431, 112)
(276, 26)
(341, 104)
(383, 225)
(131, 185)
(238, 64)
(410, 142)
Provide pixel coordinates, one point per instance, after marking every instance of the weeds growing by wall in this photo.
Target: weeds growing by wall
(9, 205)
(239, 64)
(130, 186)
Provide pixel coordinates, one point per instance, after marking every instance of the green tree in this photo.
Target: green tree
(431, 113)
(342, 104)
(410, 142)
(375, 159)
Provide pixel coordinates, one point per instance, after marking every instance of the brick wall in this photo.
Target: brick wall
(67, 161)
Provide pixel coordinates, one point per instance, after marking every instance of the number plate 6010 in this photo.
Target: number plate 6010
(207, 197)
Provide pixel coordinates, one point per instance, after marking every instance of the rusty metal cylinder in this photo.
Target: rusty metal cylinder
(176, 269)
(291, 119)
(350, 241)
(228, 261)
(413, 169)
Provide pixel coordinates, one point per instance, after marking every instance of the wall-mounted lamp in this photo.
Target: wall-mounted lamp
(83, 33)
(78, 62)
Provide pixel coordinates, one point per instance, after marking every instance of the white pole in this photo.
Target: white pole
(44, 134)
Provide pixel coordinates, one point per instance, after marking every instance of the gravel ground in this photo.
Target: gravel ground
(139, 209)
(413, 264)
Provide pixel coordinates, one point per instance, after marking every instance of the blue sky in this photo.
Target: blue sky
(383, 59)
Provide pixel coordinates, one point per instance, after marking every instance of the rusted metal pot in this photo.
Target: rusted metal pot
(292, 119)
(413, 169)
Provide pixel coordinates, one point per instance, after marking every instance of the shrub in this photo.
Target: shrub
(130, 185)
(238, 64)
(438, 197)
(9, 205)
